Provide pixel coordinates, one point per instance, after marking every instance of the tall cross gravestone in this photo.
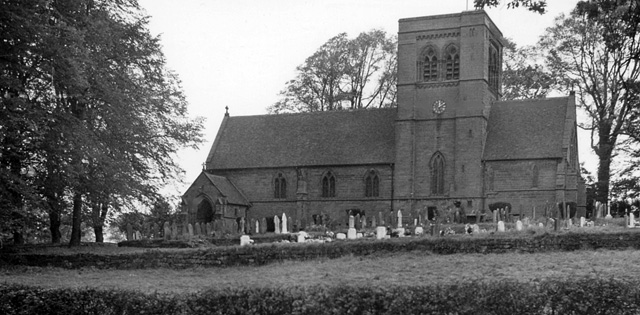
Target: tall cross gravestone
(276, 222)
(285, 229)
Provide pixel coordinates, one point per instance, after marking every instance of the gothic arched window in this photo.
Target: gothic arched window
(280, 187)
(429, 64)
(535, 174)
(452, 63)
(328, 185)
(371, 184)
(494, 67)
(437, 174)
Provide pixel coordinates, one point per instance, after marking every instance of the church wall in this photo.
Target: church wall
(513, 182)
(257, 185)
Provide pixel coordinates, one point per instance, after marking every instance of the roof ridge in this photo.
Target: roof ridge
(326, 112)
(534, 100)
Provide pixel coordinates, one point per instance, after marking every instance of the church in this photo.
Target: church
(451, 143)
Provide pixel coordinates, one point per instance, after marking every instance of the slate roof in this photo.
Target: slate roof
(530, 129)
(230, 191)
(306, 139)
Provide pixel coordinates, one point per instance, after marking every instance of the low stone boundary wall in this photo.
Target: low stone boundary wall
(264, 254)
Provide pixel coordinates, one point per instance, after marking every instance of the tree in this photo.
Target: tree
(523, 77)
(344, 74)
(109, 117)
(603, 78)
(538, 6)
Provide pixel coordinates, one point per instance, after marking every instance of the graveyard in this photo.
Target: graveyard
(547, 265)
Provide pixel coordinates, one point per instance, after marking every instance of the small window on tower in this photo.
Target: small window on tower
(430, 65)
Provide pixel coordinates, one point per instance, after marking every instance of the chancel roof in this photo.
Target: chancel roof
(305, 139)
(530, 129)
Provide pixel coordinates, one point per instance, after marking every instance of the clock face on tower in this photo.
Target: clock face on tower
(439, 106)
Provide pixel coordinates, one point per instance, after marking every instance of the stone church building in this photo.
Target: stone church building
(450, 144)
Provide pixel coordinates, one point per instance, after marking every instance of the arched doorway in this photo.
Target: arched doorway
(205, 211)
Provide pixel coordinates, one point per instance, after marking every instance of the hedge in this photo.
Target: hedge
(582, 296)
(264, 254)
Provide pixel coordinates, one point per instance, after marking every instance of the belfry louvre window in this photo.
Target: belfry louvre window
(280, 187)
(328, 185)
(452, 63)
(430, 66)
(437, 174)
(372, 184)
(494, 67)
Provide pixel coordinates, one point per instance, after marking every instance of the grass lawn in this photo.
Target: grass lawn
(408, 269)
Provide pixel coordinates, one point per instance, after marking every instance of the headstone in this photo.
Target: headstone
(420, 222)
(363, 223)
(582, 221)
(245, 240)
(197, 229)
(518, 225)
(138, 235)
(257, 225)
(185, 231)
(500, 226)
(495, 215)
(399, 218)
(285, 228)
(351, 222)
(209, 228)
(242, 226)
(190, 230)
(415, 222)
(632, 220)
(290, 225)
(302, 236)
(155, 230)
(174, 231)
(541, 224)
(351, 233)
(475, 228)
(419, 230)
(167, 231)
(400, 231)
(381, 232)
(129, 232)
(373, 221)
(341, 236)
(263, 225)
(276, 222)
(359, 235)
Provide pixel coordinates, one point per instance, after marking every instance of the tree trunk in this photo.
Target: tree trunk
(98, 230)
(76, 232)
(54, 226)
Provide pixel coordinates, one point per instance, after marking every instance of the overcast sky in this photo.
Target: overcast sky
(240, 53)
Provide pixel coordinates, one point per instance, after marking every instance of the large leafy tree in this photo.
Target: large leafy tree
(604, 79)
(109, 117)
(538, 6)
(344, 74)
(523, 74)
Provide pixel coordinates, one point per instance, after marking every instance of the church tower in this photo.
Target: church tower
(449, 72)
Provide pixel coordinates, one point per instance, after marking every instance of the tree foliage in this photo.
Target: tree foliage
(344, 74)
(538, 6)
(92, 117)
(604, 78)
(524, 75)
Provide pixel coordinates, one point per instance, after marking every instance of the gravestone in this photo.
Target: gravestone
(359, 235)
(373, 222)
(138, 235)
(500, 226)
(363, 221)
(632, 220)
(263, 225)
(256, 224)
(541, 224)
(190, 231)
(582, 221)
(289, 225)
(419, 230)
(302, 236)
(155, 230)
(209, 228)
(245, 240)
(495, 215)
(129, 232)
(276, 222)
(242, 226)
(399, 218)
(351, 233)
(518, 225)
(351, 222)
(174, 231)
(285, 228)
(217, 226)
(196, 229)
(341, 236)
(475, 229)
(381, 232)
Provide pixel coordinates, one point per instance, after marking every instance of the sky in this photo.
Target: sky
(240, 53)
